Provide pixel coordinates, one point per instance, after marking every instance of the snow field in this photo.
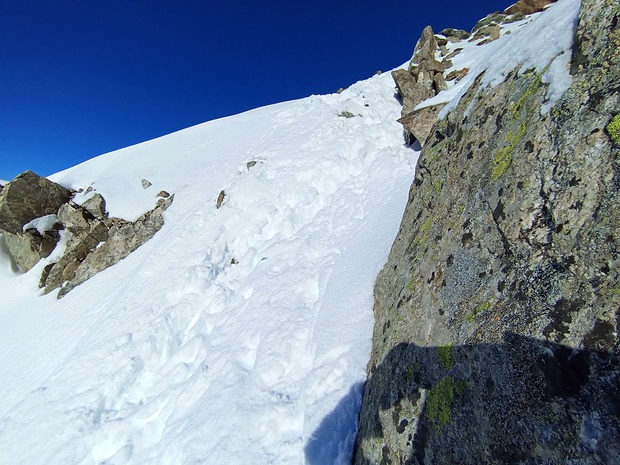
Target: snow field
(234, 332)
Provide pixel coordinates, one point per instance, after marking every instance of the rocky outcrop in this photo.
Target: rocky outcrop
(22, 200)
(35, 212)
(28, 197)
(423, 79)
(527, 7)
(497, 313)
(107, 243)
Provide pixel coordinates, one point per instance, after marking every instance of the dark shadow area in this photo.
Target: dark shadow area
(333, 441)
(522, 401)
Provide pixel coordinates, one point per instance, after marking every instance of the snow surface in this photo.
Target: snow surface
(42, 224)
(236, 335)
(541, 42)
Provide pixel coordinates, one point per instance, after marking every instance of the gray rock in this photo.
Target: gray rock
(76, 219)
(28, 247)
(112, 245)
(496, 315)
(493, 18)
(146, 183)
(220, 199)
(27, 197)
(95, 205)
(457, 74)
(490, 31)
(455, 35)
(439, 83)
(78, 248)
(527, 7)
(419, 123)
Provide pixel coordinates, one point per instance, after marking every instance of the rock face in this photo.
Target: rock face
(497, 313)
(527, 7)
(22, 200)
(95, 242)
(422, 80)
(28, 197)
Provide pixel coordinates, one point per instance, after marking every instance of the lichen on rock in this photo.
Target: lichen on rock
(498, 306)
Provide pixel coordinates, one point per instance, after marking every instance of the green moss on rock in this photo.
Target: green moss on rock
(440, 399)
(613, 129)
(445, 356)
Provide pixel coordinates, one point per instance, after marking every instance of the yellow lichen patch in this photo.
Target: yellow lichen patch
(503, 159)
(613, 129)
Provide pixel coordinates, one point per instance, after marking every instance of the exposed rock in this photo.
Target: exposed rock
(75, 218)
(95, 205)
(422, 80)
(441, 40)
(527, 7)
(455, 35)
(497, 313)
(76, 252)
(28, 247)
(457, 74)
(419, 123)
(30, 230)
(410, 92)
(220, 199)
(111, 246)
(493, 18)
(491, 31)
(454, 53)
(146, 183)
(27, 197)
(439, 83)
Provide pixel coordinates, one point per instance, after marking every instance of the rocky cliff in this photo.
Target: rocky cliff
(497, 313)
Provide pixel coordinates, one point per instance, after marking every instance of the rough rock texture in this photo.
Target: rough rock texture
(22, 200)
(29, 247)
(527, 7)
(112, 245)
(27, 197)
(497, 314)
(419, 123)
(96, 241)
(422, 80)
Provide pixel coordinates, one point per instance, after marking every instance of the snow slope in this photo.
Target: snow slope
(235, 333)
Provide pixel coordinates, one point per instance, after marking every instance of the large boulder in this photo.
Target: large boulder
(497, 316)
(27, 197)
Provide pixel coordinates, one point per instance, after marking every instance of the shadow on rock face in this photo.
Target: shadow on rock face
(523, 401)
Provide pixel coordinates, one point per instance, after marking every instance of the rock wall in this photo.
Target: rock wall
(35, 212)
(497, 313)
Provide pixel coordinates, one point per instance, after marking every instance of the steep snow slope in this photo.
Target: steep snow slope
(231, 335)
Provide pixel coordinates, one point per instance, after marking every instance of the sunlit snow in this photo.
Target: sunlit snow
(232, 334)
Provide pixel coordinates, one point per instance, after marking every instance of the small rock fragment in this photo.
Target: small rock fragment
(220, 199)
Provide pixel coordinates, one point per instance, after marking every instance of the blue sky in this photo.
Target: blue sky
(82, 78)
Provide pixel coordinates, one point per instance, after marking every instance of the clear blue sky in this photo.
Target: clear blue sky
(81, 78)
